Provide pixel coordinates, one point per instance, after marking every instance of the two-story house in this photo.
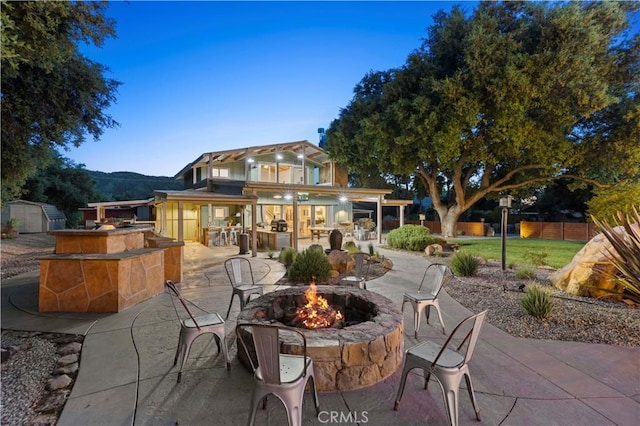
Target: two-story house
(294, 182)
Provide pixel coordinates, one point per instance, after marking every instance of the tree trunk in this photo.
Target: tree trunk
(448, 220)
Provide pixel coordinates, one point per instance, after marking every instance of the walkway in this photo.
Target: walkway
(127, 377)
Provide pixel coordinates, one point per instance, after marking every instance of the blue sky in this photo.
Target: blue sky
(207, 76)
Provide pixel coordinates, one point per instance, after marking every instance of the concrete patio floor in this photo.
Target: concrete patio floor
(127, 375)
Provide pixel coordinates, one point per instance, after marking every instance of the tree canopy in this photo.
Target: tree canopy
(64, 184)
(502, 100)
(52, 95)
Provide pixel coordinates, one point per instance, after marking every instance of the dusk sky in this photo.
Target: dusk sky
(208, 76)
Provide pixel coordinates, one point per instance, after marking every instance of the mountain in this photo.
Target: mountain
(118, 186)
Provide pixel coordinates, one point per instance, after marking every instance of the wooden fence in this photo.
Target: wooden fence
(542, 230)
(557, 230)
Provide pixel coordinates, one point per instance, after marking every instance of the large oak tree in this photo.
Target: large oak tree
(52, 95)
(502, 100)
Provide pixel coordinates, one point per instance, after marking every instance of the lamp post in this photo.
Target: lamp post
(505, 203)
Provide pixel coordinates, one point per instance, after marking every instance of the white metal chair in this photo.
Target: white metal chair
(447, 365)
(285, 376)
(427, 294)
(241, 277)
(195, 326)
(360, 272)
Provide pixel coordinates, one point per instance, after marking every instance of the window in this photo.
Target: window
(221, 173)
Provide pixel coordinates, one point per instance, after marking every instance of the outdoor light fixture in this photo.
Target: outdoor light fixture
(278, 157)
(288, 196)
(300, 156)
(250, 160)
(343, 199)
(505, 203)
(277, 196)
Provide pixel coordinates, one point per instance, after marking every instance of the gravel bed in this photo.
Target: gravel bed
(573, 318)
(25, 375)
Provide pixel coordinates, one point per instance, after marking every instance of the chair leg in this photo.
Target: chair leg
(472, 395)
(255, 400)
(450, 385)
(229, 309)
(403, 381)
(185, 355)
(316, 401)
(416, 321)
(225, 350)
(437, 306)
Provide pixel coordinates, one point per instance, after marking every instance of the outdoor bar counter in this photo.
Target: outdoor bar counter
(103, 270)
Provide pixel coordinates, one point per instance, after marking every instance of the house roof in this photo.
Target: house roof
(310, 151)
(206, 197)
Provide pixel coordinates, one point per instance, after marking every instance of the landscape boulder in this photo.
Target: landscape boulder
(589, 273)
(341, 261)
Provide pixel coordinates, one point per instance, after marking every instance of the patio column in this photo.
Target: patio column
(180, 220)
(379, 218)
(254, 231)
(295, 221)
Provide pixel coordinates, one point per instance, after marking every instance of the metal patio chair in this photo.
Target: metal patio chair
(360, 271)
(285, 376)
(195, 326)
(447, 365)
(427, 295)
(241, 278)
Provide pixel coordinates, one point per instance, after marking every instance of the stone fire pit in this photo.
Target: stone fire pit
(352, 357)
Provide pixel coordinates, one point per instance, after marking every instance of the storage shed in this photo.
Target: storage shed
(33, 217)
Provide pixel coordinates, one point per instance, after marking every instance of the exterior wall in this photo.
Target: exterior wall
(557, 230)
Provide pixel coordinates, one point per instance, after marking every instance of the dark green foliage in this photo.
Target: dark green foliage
(502, 98)
(287, 256)
(309, 265)
(537, 257)
(119, 186)
(371, 249)
(412, 237)
(52, 95)
(64, 184)
(528, 272)
(538, 301)
(464, 264)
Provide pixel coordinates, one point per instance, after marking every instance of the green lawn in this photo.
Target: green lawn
(560, 253)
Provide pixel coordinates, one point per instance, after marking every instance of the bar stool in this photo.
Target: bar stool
(223, 236)
(233, 235)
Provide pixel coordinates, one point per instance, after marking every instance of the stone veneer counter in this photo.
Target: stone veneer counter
(100, 241)
(100, 271)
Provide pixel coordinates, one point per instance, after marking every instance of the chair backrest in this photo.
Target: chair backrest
(267, 345)
(359, 269)
(173, 290)
(471, 326)
(239, 271)
(433, 278)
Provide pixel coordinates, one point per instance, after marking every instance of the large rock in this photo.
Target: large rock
(589, 273)
(341, 261)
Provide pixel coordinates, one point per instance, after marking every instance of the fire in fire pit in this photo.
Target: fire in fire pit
(316, 313)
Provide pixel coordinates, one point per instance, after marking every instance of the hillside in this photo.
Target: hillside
(130, 185)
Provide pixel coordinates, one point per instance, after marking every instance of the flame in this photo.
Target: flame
(316, 313)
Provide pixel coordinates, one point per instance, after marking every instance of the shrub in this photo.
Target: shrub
(537, 258)
(412, 237)
(537, 301)
(371, 249)
(464, 264)
(351, 247)
(526, 272)
(287, 256)
(309, 264)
